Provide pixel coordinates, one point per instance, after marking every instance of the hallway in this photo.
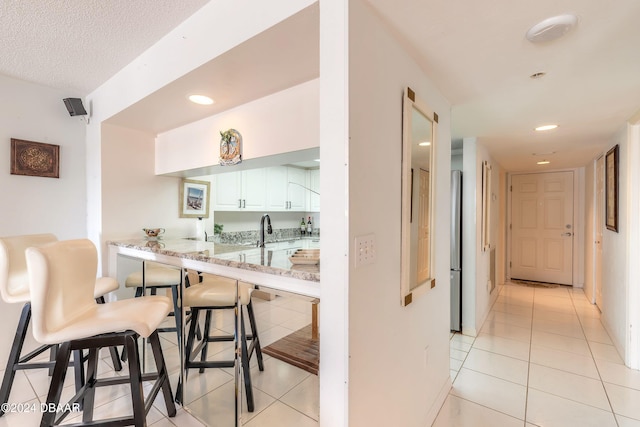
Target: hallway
(542, 358)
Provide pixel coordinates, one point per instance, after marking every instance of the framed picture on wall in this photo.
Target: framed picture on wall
(611, 188)
(194, 199)
(35, 159)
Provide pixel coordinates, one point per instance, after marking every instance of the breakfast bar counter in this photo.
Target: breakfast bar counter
(268, 267)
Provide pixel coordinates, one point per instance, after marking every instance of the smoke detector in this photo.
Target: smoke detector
(551, 28)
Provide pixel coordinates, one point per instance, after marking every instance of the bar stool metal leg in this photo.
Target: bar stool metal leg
(255, 339)
(205, 343)
(57, 383)
(14, 354)
(92, 373)
(136, 381)
(246, 373)
(161, 366)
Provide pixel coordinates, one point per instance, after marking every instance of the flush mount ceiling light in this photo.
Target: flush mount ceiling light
(551, 28)
(548, 153)
(200, 99)
(544, 162)
(546, 127)
(538, 75)
(424, 144)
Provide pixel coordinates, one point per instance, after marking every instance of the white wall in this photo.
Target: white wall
(620, 251)
(279, 123)
(34, 204)
(579, 217)
(632, 350)
(37, 113)
(393, 380)
(477, 298)
(485, 296)
(133, 196)
(334, 190)
(621, 273)
(471, 193)
(501, 228)
(589, 231)
(614, 258)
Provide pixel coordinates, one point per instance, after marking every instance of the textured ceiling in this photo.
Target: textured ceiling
(78, 45)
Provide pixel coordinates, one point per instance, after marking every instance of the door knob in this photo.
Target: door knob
(567, 234)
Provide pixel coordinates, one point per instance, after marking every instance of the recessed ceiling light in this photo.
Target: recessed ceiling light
(424, 144)
(544, 162)
(551, 28)
(200, 99)
(546, 127)
(538, 75)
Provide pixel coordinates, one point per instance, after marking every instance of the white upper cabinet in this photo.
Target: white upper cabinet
(279, 188)
(254, 186)
(277, 197)
(314, 184)
(286, 189)
(297, 193)
(227, 194)
(243, 190)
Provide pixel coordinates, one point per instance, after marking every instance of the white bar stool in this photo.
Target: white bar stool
(14, 288)
(61, 279)
(214, 293)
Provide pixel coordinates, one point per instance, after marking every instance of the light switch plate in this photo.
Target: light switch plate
(365, 247)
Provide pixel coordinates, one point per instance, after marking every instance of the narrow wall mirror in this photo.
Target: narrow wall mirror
(419, 129)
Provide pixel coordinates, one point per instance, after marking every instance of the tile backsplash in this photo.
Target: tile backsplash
(252, 236)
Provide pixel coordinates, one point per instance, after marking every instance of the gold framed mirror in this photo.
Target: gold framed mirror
(419, 130)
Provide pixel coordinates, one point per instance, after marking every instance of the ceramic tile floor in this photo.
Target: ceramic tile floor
(542, 358)
(284, 395)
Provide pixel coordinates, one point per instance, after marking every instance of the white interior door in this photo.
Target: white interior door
(599, 224)
(542, 227)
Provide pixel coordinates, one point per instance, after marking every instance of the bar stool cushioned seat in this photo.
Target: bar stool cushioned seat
(217, 292)
(14, 289)
(61, 277)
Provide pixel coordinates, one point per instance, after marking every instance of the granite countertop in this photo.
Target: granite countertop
(273, 259)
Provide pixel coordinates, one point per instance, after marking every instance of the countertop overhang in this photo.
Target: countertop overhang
(273, 259)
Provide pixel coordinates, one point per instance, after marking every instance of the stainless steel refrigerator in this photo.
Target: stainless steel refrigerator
(456, 250)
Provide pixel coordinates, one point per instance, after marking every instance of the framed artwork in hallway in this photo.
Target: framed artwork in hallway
(611, 181)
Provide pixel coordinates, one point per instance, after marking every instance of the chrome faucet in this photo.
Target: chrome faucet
(269, 229)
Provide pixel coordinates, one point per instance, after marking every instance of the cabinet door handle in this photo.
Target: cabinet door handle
(239, 203)
(244, 203)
